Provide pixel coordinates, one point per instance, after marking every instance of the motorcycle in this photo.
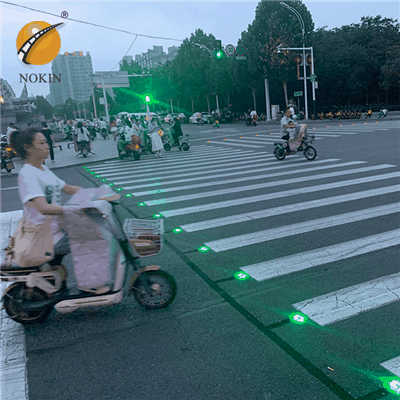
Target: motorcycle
(36, 290)
(104, 133)
(251, 120)
(283, 149)
(132, 149)
(68, 135)
(7, 154)
(368, 114)
(84, 149)
(92, 131)
(383, 112)
(200, 121)
(169, 142)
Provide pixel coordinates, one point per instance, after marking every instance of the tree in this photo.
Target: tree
(274, 25)
(43, 107)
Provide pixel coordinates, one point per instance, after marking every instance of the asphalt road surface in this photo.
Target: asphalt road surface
(317, 239)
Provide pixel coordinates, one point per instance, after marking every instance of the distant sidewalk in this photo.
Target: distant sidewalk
(392, 115)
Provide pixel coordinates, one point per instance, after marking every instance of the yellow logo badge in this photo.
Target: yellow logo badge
(38, 43)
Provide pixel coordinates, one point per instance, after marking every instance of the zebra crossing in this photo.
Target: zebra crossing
(228, 200)
(260, 137)
(198, 185)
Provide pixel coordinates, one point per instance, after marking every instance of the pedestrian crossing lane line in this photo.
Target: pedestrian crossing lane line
(216, 175)
(216, 163)
(351, 301)
(228, 142)
(217, 157)
(13, 373)
(392, 365)
(298, 262)
(270, 212)
(287, 193)
(244, 168)
(255, 186)
(248, 239)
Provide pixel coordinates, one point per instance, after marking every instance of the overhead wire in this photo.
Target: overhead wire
(89, 23)
(134, 40)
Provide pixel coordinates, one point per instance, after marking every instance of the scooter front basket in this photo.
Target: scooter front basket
(145, 236)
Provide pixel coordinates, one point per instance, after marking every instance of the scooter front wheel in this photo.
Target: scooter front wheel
(161, 290)
(167, 147)
(310, 153)
(280, 154)
(14, 297)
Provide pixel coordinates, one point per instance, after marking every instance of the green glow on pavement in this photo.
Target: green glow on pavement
(241, 276)
(177, 230)
(391, 384)
(128, 195)
(119, 189)
(92, 173)
(157, 215)
(103, 180)
(98, 176)
(110, 184)
(142, 203)
(298, 318)
(204, 249)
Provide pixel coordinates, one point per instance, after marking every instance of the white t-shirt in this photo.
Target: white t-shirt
(33, 182)
(9, 131)
(127, 133)
(285, 121)
(102, 125)
(253, 113)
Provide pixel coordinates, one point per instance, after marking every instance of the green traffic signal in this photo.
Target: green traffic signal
(219, 54)
(147, 98)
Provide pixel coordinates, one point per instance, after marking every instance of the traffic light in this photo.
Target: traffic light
(219, 53)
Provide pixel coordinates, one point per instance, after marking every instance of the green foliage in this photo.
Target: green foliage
(43, 107)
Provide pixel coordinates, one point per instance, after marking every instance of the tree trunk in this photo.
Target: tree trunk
(228, 99)
(192, 105)
(208, 103)
(254, 99)
(285, 92)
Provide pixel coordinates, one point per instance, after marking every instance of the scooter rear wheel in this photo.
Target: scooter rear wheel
(167, 147)
(161, 293)
(185, 147)
(17, 293)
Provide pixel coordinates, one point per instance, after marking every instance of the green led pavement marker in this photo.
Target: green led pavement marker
(204, 249)
(103, 180)
(140, 204)
(241, 276)
(177, 230)
(128, 195)
(298, 318)
(392, 385)
(157, 215)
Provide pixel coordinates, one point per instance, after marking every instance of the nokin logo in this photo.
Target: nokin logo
(38, 43)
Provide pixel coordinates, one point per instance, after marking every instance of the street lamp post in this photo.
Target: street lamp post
(304, 53)
(212, 56)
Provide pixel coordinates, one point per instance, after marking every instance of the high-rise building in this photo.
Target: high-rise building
(76, 72)
(156, 57)
(6, 91)
(128, 59)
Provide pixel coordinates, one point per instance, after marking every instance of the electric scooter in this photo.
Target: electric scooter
(169, 142)
(36, 290)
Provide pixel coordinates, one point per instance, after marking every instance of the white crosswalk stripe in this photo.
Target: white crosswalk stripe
(351, 301)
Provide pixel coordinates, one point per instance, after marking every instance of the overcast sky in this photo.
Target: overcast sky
(177, 20)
